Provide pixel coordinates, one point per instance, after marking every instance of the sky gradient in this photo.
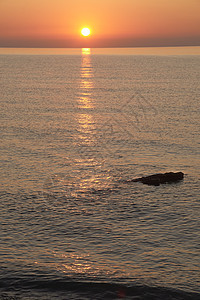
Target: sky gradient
(113, 23)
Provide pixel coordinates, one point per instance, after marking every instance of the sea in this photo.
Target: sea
(77, 125)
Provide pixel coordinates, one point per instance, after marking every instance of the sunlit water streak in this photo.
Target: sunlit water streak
(75, 129)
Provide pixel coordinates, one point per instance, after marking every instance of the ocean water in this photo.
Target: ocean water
(76, 128)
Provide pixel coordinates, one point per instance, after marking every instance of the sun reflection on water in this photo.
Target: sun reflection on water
(86, 84)
(79, 263)
(93, 176)
(86, 51)
(85, 101)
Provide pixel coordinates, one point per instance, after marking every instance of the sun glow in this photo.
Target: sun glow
(85, 31)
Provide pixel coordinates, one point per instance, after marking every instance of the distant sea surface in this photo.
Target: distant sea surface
(76, 127)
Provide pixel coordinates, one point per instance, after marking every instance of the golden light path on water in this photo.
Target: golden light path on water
(93, 177)
(84, 100)
(86, 83)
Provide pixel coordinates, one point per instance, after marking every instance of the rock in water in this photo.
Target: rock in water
(157, 179)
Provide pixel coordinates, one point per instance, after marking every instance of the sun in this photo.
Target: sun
(85, 31)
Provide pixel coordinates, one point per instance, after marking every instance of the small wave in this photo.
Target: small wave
(72, 289)
(105, 191)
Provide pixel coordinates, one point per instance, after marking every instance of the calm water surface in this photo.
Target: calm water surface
(75, 129)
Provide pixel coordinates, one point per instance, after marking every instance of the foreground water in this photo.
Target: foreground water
(76, 129)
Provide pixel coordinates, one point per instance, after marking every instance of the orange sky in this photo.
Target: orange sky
(113, 23)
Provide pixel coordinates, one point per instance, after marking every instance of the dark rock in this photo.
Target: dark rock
(157, 179)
